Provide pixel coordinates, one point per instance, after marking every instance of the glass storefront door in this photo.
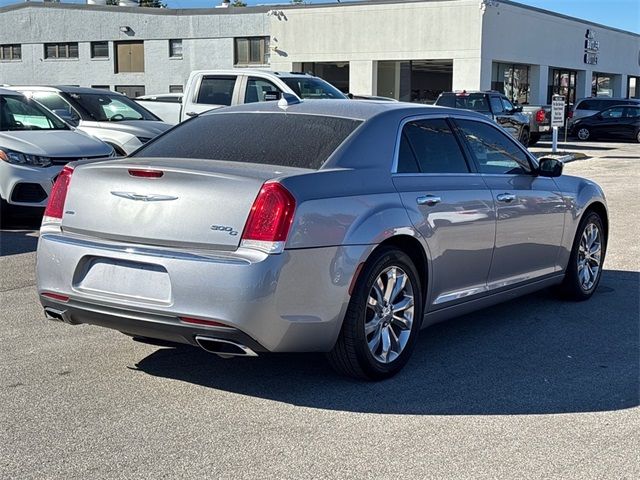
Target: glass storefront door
(563, 82)
(633, 87)
(512, 80)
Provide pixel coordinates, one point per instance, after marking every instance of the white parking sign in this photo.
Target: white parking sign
(557, 111)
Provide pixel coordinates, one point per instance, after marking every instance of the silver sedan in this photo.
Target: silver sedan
(329, 226)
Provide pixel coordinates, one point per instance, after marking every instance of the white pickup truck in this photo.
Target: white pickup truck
(209, 89)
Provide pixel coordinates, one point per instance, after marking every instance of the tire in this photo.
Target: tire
(352, 354)
(638, 136)
(524, 137)
(533, 139)
(584, 134)
(574, 286)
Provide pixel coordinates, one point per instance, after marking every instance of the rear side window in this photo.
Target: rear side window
(285, 139)
(429, 146)
(216, 90)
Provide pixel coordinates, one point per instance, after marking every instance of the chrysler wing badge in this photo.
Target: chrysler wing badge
(152, 197)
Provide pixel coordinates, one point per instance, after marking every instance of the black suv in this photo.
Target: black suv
(494, 105)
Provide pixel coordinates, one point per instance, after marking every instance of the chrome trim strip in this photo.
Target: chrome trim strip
(145, 251)
(457, 295)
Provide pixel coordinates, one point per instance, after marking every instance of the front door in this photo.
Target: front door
(530, 209)
(502, 116)
(451, 207)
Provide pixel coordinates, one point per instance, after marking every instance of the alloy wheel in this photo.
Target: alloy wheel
(583, 134)
(389, 314)
(589, 257)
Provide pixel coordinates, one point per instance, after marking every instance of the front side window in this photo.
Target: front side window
(496, 105)
(175, 48)
(61, 50)
(508, 106)
(251, 51)
(10, 52)
(19, 113)
(494, 151)
(632, 112)
(216, 90)
(99, 49)
(613, 112)
(257, 88)
(429, 146)
(58, 105)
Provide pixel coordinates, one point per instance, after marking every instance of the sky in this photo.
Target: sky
(624, 14)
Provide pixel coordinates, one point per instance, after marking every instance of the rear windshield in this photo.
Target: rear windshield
(284, 139)
(471, 101)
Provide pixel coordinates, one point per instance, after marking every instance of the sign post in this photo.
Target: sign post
(557, 119)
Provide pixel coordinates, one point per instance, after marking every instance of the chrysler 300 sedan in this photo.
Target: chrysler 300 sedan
(328, 226)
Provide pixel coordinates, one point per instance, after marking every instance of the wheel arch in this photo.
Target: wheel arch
(599, 208)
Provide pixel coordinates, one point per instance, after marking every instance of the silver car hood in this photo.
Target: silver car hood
(138, 128)
(54, 143)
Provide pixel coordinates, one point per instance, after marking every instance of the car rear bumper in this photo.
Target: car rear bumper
(291, 302)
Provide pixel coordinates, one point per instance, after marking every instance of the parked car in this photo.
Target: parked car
(165, 106)
(495, 106)
(588, 107)
(539, 121)
(209, 89)
(109, 116)
(619, 122)
(379, 219)
(34, 146)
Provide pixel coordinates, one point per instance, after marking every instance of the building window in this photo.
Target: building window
(61, 50)
(99, 49)
(10, 52)
(102, 87)
(601, 85)
(175, 48)
(512, 80)
(131, 91)
(633, 87)
(176, 89)
(129, 57)
(251, 51)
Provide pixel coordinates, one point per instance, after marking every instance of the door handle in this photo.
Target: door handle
(506, 197)
(429, 200)
(191, 114)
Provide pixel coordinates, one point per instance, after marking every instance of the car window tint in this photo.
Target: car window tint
(508, 106)
(613, 112)
(257, 88)
(496, 105)
(494, 151)
(435, 147)
(286, 139)
(407, 162)
(216, 90)
(632, 112)
(57, 105)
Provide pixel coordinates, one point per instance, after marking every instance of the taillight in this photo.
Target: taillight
(570, 114)
(540, 116)
(55, 206)
(270, 219)
(135, 172)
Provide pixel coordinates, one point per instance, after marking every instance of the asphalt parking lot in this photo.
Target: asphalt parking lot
(535, 388)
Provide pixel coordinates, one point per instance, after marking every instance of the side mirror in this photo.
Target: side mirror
(550, 167)
(350, 96)
(271, 95)
(517, 108)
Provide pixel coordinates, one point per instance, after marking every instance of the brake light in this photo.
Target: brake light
(55, 205)
(270, 219)
(201, 321)
(145, 173)
(540, 116)
(570, 114)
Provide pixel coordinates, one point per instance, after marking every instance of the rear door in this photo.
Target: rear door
(206, 92)
(449, 205)
(611, 122)
(530, 209)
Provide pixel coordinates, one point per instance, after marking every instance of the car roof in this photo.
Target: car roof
(252, 71)
(64, 88)
(7, 91)
(610, 99)
(355, 109)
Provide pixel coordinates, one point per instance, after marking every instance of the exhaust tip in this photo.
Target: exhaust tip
(58, 315)
(224, 348)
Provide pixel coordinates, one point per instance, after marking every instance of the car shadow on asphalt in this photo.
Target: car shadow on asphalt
(533, 355)
(17, 233)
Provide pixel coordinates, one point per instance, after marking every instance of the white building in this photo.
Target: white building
(410, 50)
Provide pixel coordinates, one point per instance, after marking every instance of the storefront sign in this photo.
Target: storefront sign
(591, 48)
(557, 111)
